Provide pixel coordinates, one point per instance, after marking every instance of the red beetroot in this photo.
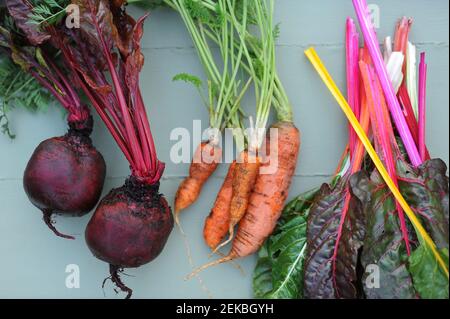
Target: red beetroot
(130, 227)
(65, 175)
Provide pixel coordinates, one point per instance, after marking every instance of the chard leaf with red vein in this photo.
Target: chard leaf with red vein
(279, 271)
(125, 25)
(134, 62)
(21, 10)
(96, 24)
(426, 190)
(383, 244)
(333, 244)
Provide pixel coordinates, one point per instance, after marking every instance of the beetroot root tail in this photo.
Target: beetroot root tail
(115, 278)
(47, 216)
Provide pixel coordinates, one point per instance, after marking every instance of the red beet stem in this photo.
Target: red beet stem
(47, 216)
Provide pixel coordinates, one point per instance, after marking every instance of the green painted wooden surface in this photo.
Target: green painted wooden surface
(34, 261)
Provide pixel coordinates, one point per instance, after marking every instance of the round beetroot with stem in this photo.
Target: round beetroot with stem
(65, 175)
(130, 227)
(132, 223)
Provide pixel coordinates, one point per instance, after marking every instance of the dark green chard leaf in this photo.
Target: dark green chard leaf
(426, 190)
(429, 280)
(279, 271)
(384, 247)
(333, 244)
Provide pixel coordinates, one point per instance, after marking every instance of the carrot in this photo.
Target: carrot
(244, 179)
(270, 194)
(267, 199)
(243, 182)
(204, 163)
(218, 221)
(206, 159)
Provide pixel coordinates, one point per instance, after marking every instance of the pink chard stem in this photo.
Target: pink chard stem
(422, 106)
(352, 55)
(392, 101)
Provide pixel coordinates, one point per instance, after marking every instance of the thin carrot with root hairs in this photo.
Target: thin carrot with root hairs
(267, 199)
(204, 164)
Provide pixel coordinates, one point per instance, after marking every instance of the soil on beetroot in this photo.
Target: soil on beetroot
(65, 175)
(129, 228)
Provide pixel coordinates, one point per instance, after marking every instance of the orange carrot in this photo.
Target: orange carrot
(243, 182)
(206, 159)
(267, 200)
(218, 221)
(244, 179)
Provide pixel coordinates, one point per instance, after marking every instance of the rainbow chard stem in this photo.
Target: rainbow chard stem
(392, 101)
(422, 106)
(422, 234)
(352, 54)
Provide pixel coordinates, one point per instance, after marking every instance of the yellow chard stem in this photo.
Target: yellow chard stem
(328, 80)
